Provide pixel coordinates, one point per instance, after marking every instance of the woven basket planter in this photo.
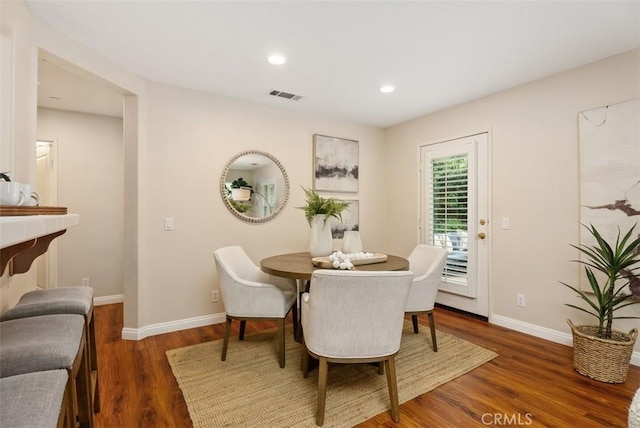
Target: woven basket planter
(605, 360)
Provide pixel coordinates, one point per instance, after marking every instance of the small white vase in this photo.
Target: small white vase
(351, 242)
(241, 194)
(320, 239)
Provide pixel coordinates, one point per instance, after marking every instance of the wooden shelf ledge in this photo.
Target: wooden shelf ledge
(24, 238)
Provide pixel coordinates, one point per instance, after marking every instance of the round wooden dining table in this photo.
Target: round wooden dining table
(299, 266)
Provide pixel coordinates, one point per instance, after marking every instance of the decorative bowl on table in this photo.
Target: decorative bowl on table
(346, 261)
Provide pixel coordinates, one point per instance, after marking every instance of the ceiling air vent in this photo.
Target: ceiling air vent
(286, 95)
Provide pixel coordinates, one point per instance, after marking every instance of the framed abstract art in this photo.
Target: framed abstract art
(335, 164)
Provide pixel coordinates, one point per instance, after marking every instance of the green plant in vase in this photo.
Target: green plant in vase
(240, 191)
(617, 263)
(240, 183)
(600, 352)
(327, 207)
(317, 211)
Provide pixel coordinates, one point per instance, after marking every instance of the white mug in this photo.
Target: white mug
(27, 197)
(34, 199)
(10, 193)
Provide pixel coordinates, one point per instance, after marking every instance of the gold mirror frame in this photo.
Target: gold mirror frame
(224, 193)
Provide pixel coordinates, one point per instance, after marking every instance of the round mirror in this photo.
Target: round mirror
(254, 186)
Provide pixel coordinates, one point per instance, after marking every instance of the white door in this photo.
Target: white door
(454, 214)
(47, 188)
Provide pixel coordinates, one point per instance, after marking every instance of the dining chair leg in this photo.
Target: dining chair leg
(414, 320)
(393, 388)
(243, 325)
(281, 342)
(432, 325)
(225, 343)
(305, 362)
(322, 389)
(294, 313)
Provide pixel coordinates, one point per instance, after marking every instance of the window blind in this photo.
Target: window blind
(448, 211)
(269, 192)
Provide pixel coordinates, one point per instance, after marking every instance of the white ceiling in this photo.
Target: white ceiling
(437, 53)
(62, 86)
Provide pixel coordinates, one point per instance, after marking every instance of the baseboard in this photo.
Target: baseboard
(460, 311)
(545, 333)
(108, 300)
(171, 326)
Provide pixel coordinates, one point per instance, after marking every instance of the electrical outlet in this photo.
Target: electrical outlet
(521, 300)
(215, 296)
(86, 282)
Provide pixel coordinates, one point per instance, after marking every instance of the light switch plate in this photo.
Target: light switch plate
(168, 224)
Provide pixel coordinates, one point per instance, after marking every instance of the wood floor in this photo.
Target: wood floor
(531, 383)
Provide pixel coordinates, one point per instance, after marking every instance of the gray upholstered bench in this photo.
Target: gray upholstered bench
(49, 342)
(63, 300)
(36, 400)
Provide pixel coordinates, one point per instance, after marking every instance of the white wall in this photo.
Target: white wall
(91, 183)
(534, 131)
(28, 35)
(193, 136)
(19, 29)
(182, 140)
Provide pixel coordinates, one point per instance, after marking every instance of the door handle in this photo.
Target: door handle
(482, 235)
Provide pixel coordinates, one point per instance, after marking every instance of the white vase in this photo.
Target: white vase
(241, 194)
(351, 242)
(320, 239)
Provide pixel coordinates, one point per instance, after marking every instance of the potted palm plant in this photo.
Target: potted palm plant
(318, 211)
(600, 352)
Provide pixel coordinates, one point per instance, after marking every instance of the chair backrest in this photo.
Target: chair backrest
(426, 263)
(235, 269)
(355, 314)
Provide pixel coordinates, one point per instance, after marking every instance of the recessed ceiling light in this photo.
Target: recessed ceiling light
(277, 59)
(386, 89)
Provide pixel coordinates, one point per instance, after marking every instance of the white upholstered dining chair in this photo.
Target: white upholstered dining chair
(427, 264)
(354, 317)
(250, 294)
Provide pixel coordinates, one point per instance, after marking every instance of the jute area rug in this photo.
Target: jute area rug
(249, 389)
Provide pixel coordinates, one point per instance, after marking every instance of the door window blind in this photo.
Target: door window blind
(447, 200)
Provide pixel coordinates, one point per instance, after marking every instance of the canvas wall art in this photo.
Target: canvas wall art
(609, 169)
(336, 164)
